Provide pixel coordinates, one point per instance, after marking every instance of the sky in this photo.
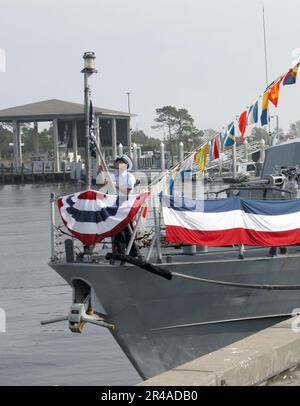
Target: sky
(205, 56)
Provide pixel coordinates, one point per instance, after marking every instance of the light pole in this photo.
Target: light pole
(275, 138)
(88, 70)
(129, 130)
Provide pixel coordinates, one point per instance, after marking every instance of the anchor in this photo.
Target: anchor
(78, 317)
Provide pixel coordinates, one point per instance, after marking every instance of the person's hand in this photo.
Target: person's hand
(100, 168)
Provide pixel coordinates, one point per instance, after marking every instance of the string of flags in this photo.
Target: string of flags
(225, 139)
(236, 129)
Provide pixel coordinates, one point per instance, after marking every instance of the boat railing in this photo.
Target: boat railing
(237, 189)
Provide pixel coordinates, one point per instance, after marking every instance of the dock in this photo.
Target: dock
(20, 178)
(255, 360)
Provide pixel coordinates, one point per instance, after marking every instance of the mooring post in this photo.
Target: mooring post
(64, 172)
(162, 157)
(120, 149)
(43, 171)
(181, 153)
(22, 173)
(135, 156)
(12, 173)
(2, 173)
(32, 172)
(52, 225)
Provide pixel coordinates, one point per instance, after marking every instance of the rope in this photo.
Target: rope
(167, 274)
(236, 284)
(58, 228)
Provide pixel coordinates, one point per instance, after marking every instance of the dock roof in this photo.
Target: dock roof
(47, 110)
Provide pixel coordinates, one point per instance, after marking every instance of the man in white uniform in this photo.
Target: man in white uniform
(124, 182)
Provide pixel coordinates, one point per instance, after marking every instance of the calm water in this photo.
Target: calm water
(30, 291)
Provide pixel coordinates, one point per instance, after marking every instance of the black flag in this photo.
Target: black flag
(92, 136)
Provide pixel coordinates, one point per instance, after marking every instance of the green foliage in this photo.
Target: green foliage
(180, 127)
(45, 141)
(294, 130)
(148, 143)
(259, 133)
(6, 137)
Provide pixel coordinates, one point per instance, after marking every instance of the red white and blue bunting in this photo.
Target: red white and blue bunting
(232, 221)
(90, 216)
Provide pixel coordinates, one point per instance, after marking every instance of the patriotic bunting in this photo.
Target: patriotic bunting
(233, 220)
(91, 215)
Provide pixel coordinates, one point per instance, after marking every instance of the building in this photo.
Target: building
(112, 127)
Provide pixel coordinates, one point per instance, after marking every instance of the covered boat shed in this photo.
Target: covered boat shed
(112, 127)
(284, 155)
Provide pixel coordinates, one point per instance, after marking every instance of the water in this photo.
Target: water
(30, 291)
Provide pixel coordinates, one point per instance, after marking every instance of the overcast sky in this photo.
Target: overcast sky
(206, 56)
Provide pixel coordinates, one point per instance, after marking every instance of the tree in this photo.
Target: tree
(259, 133)
(6, 136)
(45, 140)
(180, 127)
(294, 130)
(148, 143)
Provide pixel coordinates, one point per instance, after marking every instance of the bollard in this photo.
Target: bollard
(2, 174)
(22, 173)
(162, 157)
(120, 149)
(180, 151)
(234, 160)
(43, 169)
(32, 172)
(135, 157)
(12, 173)
(262, 150)
(64, 172)
(246, 149)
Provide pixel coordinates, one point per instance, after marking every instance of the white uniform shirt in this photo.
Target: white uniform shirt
(125, 180)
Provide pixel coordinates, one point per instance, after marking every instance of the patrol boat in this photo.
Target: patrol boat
(178, 301)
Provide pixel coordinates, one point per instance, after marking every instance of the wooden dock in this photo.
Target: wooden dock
(9, 176)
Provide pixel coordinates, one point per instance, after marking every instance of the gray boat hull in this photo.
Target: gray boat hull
(161, 324)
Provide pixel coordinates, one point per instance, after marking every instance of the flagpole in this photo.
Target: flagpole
(88, 70)
(265, 45)
(266, 60)
(87, 98)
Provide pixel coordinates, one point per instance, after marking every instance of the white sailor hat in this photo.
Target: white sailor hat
(126, 160)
